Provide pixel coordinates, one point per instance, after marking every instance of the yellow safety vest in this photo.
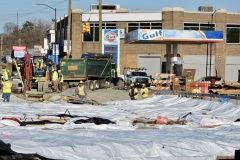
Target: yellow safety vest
(81, 91)
(54, 76)
(5, 75)
(145, 95)
(135, 91)
(196, 90)
(7, 87)
(39, 64)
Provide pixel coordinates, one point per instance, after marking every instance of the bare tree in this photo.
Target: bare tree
(29, 34)
(9, 27)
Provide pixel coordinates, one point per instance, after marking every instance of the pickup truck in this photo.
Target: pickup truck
(137, 76)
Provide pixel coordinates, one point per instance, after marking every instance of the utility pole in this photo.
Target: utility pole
(18, 37)
(55, 30)
(69, 27)
(1, 46)
(210, 72)
(100, 26)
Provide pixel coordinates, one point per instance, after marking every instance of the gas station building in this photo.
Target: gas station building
(222, 53)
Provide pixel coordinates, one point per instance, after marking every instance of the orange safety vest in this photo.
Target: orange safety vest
(81, 91)
(7, 87)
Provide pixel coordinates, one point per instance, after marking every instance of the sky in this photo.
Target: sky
(20, 11)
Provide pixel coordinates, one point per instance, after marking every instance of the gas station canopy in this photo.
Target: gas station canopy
(173, 36)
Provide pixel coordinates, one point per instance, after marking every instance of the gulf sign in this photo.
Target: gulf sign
(194, 36)
(110, 36)
(151, 34)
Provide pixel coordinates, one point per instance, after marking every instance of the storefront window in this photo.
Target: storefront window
(199, 26)
(233, 33)
(93, 36)
(144, 25)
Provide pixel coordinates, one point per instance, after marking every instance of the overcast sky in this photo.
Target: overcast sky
(24, 10)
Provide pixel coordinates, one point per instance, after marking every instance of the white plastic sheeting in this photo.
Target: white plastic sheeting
(123, 140)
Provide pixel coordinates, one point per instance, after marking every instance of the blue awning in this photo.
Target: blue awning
(173, 36)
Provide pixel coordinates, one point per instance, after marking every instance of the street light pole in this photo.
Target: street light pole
(55, 29)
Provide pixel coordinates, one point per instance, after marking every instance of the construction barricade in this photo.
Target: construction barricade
(162, 81)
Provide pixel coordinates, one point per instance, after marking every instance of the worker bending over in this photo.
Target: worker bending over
(7, 89)
(133, 92)
(144, 91)
(81, 90)
(55, 80)
(196, 90)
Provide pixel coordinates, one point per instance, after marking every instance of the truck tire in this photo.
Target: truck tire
(120, 84)
(96, 84)
(91, 86)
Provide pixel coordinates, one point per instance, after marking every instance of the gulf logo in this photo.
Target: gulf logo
(111, 36)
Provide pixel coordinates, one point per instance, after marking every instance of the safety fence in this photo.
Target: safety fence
(162, 81)
(210, 97)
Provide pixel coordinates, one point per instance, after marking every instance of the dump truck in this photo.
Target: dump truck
(96, 70)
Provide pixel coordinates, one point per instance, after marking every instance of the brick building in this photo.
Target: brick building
(224, 59)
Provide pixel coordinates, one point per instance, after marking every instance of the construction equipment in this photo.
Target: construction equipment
(31, 76)
(97, 70)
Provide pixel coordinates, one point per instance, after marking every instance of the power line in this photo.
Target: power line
(42, 10)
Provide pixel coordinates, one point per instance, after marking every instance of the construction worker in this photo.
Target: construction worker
(196, 90)
(60, 75)
(7, 89)
(133, 92)
(55, 80)
(213, 82)
(5, 75)
(144, 91)
(81, 90)
(39, 64)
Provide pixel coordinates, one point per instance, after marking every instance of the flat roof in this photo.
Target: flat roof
(124, 17)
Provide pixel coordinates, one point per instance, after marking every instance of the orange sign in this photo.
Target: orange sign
(72, 68)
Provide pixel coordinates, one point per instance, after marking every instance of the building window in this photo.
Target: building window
(94, 34)
(144, 25)
(199, 26)
(233, 33)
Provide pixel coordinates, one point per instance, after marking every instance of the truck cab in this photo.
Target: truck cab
(137, 76)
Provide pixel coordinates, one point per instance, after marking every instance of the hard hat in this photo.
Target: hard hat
(59, 71)
(196, 85)
(53, 69)
(131, 84)
(8, 71)
(81, 82)
(143, 84)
